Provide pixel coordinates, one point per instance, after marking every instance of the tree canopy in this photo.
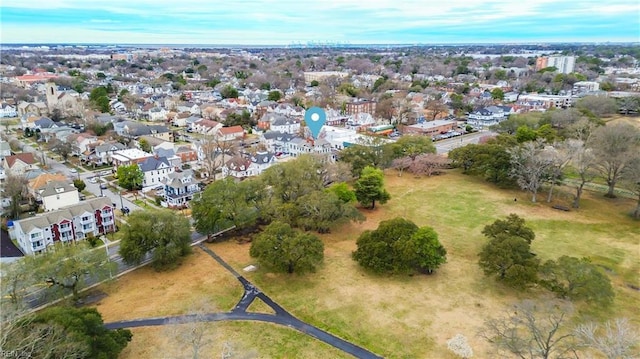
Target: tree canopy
(369, 188)
(507, 255)
(282, 248)
(577, 279)
(162, 233)
(130, 176)
(399, 246)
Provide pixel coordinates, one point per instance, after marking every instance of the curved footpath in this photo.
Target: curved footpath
(239, 312)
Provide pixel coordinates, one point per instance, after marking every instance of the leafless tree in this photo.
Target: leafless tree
(532, 330)
(191, 334)
(616, 340)
(530, 166)
(15, 188)
(459, 346)
(583, 162)
(631, 178)
(614, 147)
(426, 164)
(560, 155)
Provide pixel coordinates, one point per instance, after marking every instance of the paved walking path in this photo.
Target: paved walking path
(239, 312)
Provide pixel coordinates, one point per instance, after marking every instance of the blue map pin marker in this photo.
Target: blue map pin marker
(315, 118)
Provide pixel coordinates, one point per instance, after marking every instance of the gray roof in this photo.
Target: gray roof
(282, 121)
(116, 146)
(262, 157)
(47, 219)
(153, 163)
(4, 146)
(277, 135)
(175, 179)
(165, 152)
(44, 122)
(55, 187)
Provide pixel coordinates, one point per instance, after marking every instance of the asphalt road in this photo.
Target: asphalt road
(239, 312)
(444, 146)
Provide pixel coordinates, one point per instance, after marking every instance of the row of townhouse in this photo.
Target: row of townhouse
(86, 219)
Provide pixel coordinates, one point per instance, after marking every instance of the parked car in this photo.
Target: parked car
(93, 180)
(103, 186)
(73, 170)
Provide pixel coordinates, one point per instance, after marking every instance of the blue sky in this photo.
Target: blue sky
(272, 22)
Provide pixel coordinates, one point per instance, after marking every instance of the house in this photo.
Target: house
(5, 150)
(231, 133)
(489, 116)
(285, 124)
(100, 153)
(155, 169)
(277, 141)
(80, 142)
(157, 114)
(57, 194)
(187, 154)
(36, 108)
(43, 123)
(20, 163)
(7, 110)
(86, 219)
(41, 180)
(206, 127)
(179, 188)
(128, 156)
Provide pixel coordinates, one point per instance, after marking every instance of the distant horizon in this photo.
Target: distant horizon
(287, 22)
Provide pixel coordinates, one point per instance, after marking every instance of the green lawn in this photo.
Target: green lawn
(410, 316)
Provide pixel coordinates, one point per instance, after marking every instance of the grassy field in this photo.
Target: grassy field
(396, 316)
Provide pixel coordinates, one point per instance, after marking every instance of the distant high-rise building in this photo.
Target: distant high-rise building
(563, 64)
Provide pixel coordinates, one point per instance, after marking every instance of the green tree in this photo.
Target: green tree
(274, 95)
(283, 249)
(223, 204)
(101, 75)
(144, 145)
(79, 184)
(510, 260)
(497, 94)
(162, 233)
(212, 83)
(577, 279)
(130, 176)
(399, 246)
(370, 152)
(99, 98)
(525, 134)
(314, 83)
(229, 92)
(68, 266)
(513, 226)
(490, 160)
(424, 251)
(369, 188)
(344, 193)
(320, 210)
(412, 146)
(84, 326)
(265, 86)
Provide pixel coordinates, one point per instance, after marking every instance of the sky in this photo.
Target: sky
(285, 22)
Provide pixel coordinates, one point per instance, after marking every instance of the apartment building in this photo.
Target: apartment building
(563, 64)
(362, 106)
(85, 219)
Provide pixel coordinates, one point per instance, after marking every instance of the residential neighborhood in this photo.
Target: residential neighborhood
(147, 154)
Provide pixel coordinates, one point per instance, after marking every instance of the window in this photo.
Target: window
(36, 244)
(87, 227)
(86, 218)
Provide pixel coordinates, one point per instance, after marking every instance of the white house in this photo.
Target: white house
(179, 188)
(155, 169)
(158, 114)
(57, 194)
(285, 124)
(85, 219)
(489, 116)
(7, 110)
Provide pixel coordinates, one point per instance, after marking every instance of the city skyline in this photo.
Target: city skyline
(265, 22)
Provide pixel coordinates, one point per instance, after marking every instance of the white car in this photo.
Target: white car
(73, 170)
(93, 180)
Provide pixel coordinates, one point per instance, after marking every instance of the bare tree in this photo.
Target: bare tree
(530, 166)
(215, 151)
(560, 155)
(631, 178)
(583, 162)
(15, 188)
(191, 334)
(532, 330)
(614, 147)
(616, 340)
